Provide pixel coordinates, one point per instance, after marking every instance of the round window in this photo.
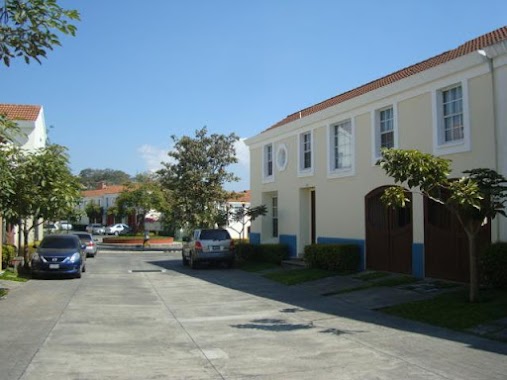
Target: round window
(281, 157)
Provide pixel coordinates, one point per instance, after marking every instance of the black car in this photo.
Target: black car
(59, 254)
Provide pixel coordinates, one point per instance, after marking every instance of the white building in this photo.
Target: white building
(30, 119)
(316, 169)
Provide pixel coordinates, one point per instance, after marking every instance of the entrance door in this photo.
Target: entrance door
(388, 235)
(446, 245)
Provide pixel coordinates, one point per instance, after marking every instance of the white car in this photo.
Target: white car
(64, 225)
(117, 229)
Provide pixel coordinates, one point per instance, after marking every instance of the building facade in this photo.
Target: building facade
(316, 170)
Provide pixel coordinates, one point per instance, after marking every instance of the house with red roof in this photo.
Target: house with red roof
(316, 170)
(30, 119)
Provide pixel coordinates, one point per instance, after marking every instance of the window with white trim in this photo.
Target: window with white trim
(452, 115)
(268, 161)
(341, 139)
(305, 152)
(451, 133)
(385, 130)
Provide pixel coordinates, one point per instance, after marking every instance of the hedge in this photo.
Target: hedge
(270, 253)
(335, 257)
(494, 265)
(9, 252)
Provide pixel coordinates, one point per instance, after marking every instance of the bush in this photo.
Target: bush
(9, 252)
(335, 257)
(494, 266)
(268, 253)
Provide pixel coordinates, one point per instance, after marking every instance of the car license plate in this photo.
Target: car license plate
(216, 248)
(54, 266)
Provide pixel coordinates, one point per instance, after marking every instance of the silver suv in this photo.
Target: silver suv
(208, 245)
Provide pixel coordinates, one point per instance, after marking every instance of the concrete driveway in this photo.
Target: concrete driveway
(142, 315)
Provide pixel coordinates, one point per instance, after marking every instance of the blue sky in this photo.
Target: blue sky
(140, 71)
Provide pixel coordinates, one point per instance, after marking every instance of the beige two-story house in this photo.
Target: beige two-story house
(316, 169)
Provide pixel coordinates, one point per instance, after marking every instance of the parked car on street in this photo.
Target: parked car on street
(87, 240)
(117, 229)
(96, 229)
(64, 225)
(59, 254)
(208, 245)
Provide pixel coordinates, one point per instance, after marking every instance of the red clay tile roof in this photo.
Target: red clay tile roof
(468, 47)
(20, 111)
(112, 189)
(243, 196)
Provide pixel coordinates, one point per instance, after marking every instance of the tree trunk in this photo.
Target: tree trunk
(474, 267)
(26, 253)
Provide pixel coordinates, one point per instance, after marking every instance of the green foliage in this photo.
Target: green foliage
(90, 178)
(267, 253)
(139, 198)
(244, 215)
(196, 175)
(8, 254)
(494, 265)
(93, 211)
(28, 28)
(333, 257)
(8, 129)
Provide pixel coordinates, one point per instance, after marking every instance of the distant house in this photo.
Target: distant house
(317, 171)
(238, 200)
(105, 197)
(30, 119)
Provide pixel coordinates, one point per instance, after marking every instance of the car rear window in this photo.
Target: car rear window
(84, 237)
(58, 242)
(214, 235)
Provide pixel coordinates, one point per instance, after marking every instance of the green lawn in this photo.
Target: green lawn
(12, 276)
(453, 311)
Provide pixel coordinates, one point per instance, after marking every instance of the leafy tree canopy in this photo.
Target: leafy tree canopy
(90, 178)
(28, 28)
(196, 176)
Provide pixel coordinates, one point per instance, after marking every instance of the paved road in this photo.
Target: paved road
(142, 315)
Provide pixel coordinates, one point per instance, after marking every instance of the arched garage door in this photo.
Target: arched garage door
(446, 245)
(388, 235)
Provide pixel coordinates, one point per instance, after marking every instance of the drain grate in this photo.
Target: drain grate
(147, 271)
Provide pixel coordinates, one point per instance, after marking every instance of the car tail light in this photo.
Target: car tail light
(91, 244)
(198, 245)
(231, 247)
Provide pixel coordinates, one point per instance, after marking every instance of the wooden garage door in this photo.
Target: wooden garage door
(446, 245)
(388, 235)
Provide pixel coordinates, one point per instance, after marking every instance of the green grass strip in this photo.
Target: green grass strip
(12, 276)
(453, 310)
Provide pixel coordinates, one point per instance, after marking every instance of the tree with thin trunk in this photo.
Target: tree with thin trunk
(44, 189)
(245, 214)
(476, 198)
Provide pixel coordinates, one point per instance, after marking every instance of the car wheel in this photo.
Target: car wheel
(184, 260)
(78, 274)
(193, 262)
(116, 233)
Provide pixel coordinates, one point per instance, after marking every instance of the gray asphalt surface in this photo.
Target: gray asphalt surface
(142, 315)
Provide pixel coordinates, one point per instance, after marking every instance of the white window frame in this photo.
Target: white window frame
(266, 178)
(340, 172)
(440, 147)
(303, 172)
(376, 132)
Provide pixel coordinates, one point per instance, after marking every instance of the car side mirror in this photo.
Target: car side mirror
(83, 246)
